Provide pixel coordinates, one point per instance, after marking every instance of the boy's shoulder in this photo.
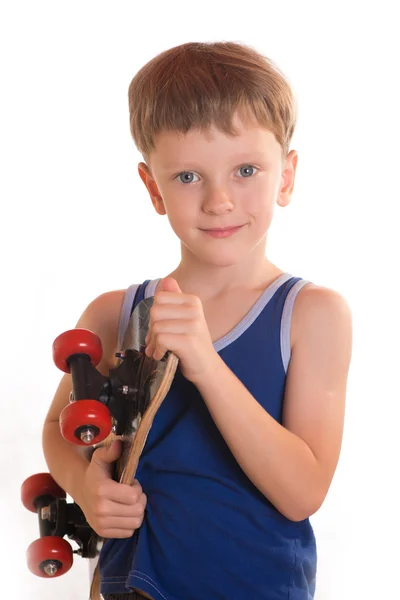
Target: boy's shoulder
(102, 317)
(104, 308)
(318, 307)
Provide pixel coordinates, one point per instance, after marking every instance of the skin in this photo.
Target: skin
(204, 180)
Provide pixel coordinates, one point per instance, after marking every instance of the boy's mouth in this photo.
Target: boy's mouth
(222, 232)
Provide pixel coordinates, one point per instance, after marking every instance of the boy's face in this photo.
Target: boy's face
(208, 181)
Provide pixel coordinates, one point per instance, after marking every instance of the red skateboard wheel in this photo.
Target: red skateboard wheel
(76, 341)
(41, 484)
(49, 549)
(81, 414)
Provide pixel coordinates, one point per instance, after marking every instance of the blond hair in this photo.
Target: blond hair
(196, 85)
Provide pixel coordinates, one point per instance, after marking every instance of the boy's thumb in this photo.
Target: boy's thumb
(108, 454)
(169, 284)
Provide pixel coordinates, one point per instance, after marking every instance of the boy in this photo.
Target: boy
(243, 450)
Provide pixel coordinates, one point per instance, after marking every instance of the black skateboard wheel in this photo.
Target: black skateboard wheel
(76, 341)
(49, 556)
(83, 415)
(41, 484)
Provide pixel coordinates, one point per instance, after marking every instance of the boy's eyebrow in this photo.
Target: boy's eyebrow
(172, 166)
(246, 156)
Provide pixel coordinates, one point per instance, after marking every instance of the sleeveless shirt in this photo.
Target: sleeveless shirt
(208, 532)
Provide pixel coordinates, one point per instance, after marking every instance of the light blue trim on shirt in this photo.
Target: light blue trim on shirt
(253, 313)
(126, 313)
(286, 321)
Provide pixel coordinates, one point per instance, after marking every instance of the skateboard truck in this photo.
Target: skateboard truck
(99, 404)
(51, 555)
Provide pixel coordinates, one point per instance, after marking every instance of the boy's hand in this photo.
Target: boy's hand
(177, 324)
(112, 509)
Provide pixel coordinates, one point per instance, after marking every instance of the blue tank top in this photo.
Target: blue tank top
(208, 532)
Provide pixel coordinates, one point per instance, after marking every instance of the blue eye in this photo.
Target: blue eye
(247, 170)
(186, 177)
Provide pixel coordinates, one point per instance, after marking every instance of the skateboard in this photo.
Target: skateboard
(102, 409)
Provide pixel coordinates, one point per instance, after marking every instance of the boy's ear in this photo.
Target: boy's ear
(288, 176)
(152, 188)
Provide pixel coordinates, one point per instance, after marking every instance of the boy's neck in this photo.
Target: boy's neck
(209, 281)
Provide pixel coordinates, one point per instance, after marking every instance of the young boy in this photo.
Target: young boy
(245, 445)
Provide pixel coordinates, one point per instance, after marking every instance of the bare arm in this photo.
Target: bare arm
(293, 464)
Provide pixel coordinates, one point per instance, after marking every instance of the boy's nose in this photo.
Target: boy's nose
(217, 201)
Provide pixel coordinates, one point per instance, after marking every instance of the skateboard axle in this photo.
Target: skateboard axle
(50, 569)
(87, 435)
(45, 513)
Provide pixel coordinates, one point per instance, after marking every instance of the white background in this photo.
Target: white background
(76, 221)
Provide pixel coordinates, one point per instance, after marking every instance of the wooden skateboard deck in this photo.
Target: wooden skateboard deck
(154, 379)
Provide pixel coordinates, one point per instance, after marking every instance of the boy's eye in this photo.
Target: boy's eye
(190, 177)
(247, 170)
(186, 177)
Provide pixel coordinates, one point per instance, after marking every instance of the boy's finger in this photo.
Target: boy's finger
(123, 493)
